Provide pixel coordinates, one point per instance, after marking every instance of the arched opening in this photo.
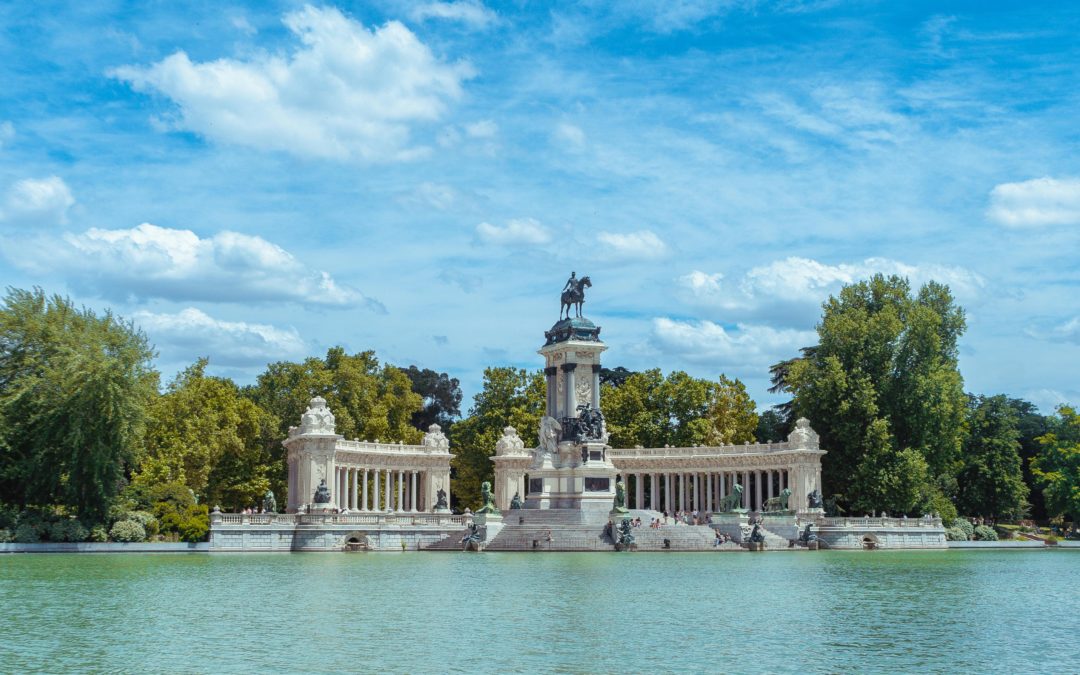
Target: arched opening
(870, 542)
(356, 541)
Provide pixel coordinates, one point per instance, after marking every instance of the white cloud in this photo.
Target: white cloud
(569, 136)
(193, 333)
(438, 195)
(150, 261)
(33, 201)
(522, 232)
(710, 343)
(702, 284)
(7, 132)
(482, 129)
(803, 279)
(643, 244)
(1036, 203)
(346, 92)
(1068, 331)
(468, 12)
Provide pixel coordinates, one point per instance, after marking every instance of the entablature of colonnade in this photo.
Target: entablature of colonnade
(693, 459)
(409, 458)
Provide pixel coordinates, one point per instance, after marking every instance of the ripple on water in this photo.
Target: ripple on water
(955, 611)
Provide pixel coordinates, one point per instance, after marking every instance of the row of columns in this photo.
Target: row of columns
(401, 489)
(703, 491)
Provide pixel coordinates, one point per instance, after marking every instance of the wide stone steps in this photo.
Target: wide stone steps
(452, 542)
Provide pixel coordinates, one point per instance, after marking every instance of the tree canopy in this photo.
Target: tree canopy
(74, 389)
(1057, 466)
(651, 410)
(510, 396)
(883, 389)
(990, 481)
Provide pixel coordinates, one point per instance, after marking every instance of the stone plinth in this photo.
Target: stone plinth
(735, 524)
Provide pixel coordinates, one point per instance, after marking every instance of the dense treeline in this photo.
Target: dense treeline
(91, 445)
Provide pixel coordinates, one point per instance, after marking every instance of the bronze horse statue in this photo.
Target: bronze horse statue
(574, 297)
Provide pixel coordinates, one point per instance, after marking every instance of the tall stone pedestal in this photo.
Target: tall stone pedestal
(581, 478)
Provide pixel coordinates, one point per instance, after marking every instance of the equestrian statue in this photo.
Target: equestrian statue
(573, 295)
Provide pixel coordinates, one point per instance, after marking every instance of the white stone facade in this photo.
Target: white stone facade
(362, 475)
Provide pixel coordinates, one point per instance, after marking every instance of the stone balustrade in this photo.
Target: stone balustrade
(377, 519)
(865, 523)
(390, 448)
(702, 450)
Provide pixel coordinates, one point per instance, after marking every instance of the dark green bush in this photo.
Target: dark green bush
(26, 533)
(6, 536)
(127, 531)
(955, 534)
(965, 525)
(197, 523)
(99, 534)
(68, 529)
(985, 533)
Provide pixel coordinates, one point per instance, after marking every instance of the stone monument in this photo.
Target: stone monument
(570, 468)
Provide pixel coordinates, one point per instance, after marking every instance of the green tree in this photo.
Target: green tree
(73, 391)
(882, 384)
(991, 482)
(1031, 425)
(510, 397)
(651, 410)
(204, 434)
(369, 401)
(441, 395)
(1057, 467)
(773, 426)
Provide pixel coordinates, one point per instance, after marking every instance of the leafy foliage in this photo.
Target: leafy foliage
(73, 393)
(991, 482)
(510, 396)
(203, 434)
(651, 410)
(965, 526)
(127, 531)
(955, 534)
(985, 533)
(441, 396)
(1058, 465)
(883, 389)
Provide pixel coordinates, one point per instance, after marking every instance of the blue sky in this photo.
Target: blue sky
(257, 182)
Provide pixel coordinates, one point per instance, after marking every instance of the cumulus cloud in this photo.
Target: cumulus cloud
(194, 333)
(643, 244)
(150, 261)
(1036, 203)
(803, 279)
(470, 13)
(702, 284)
(706, 342)
(522, 232)
(346, 92)
(37, 201)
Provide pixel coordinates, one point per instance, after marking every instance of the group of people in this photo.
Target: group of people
(721, 538)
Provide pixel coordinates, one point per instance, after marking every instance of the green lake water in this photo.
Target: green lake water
(940, 611)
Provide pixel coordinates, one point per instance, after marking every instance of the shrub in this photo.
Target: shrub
(965, 525)
(6, 536)
(99, 534)
(127, 531)
(985, 533)
(26, 533)
(197, 523)
(146, 519)
(67, 529)
(955, 534)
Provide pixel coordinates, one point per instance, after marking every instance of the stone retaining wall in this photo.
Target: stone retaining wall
(109, 547)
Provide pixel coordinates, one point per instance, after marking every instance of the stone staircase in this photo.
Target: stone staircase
(774, 542)
(451, 542)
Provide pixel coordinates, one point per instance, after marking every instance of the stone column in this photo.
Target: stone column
(552, 406)
(695, 503)
(654, 492)
(639, 490)
(364, 493)
(709, 478)
(388, 498)
(412, 490)
(757, 490)
(375, 490)
(401, 491)
(596, 388)
(340, 499)
(769, 479)
(723, 485)
(746, 490)
(667, 493)
(571, 395)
